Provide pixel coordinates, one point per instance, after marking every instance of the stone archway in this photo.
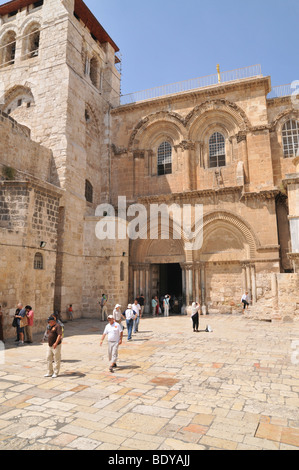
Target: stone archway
(146, 259)
(226, 270)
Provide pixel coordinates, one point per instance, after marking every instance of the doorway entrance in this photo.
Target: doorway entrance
(170, 282)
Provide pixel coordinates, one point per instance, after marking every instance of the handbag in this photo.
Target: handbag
(23, 322)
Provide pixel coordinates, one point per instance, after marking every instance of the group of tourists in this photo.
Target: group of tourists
(132, 314)
(162, 306)
(23, 322)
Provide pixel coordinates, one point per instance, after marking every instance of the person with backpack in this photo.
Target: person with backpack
(130, 317)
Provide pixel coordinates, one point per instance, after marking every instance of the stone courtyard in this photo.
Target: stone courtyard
(235, 388)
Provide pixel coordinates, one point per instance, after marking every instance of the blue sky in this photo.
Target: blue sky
(166, 41)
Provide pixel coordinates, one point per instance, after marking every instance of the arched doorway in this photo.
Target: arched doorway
(156, 270)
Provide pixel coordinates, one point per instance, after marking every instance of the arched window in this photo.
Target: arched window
(165, 159)
(217, 150)
(38, 261)
(290, 138)
(8, 49)
(31, 41)
(88, 191)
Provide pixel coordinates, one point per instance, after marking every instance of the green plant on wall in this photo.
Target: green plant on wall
(8, 172)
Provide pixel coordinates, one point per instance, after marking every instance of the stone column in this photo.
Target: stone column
(244, 280)
(147, 307)
(197, 283)
(134, 282)
(253, 284)
(184, 284)
(187, 287)
(203, 283)
(292, 181)
(248, 280)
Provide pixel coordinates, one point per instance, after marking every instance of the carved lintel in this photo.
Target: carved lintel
(118, 150)
(186, 145)
(241, 137)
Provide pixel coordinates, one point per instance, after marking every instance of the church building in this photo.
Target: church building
(70, 144)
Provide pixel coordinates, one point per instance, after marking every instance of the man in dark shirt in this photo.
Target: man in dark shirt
(54, 348)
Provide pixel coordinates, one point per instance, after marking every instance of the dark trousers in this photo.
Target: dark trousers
(130, 328)
(245, 303)
(195, 321)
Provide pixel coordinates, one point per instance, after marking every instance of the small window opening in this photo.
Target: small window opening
(39, 262)
(88, 191)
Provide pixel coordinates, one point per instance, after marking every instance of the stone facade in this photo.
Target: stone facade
(29, 209)
(245, 227)
(67, 146)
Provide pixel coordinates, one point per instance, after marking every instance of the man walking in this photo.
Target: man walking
(130, 317)
(54, 348)
(245, 300)
(137, 310)
(115, 336)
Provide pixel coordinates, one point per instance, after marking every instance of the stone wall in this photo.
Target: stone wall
(277, 299)
(28, 216)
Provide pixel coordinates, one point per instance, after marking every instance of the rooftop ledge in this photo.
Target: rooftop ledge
(209, 82)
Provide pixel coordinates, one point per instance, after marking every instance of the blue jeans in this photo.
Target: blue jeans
(136, 324)
(130, 328)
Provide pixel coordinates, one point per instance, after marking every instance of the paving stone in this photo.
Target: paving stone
(233, 389)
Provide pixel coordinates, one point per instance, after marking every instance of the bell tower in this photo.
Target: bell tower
(58, 77)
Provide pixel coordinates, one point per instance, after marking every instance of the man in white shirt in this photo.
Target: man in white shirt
(130, 317)
(115, 336)
(245, 300)
(137, 310)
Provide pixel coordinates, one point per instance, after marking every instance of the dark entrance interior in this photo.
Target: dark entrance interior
(171, 283)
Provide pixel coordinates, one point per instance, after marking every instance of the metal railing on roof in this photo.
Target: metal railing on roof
(280, 91)
(192, 84)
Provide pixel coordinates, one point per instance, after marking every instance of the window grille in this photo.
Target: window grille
(165, 159)
(39, 261)
(290, 138)
(88, 191)
(217, 150)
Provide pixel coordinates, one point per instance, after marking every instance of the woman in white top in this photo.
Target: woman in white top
(117, 315)
(194, 315)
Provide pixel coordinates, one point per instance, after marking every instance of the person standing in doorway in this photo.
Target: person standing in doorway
(103, 304)
(154, 305)
(115, 335)
(166, 303)
(141, 301)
